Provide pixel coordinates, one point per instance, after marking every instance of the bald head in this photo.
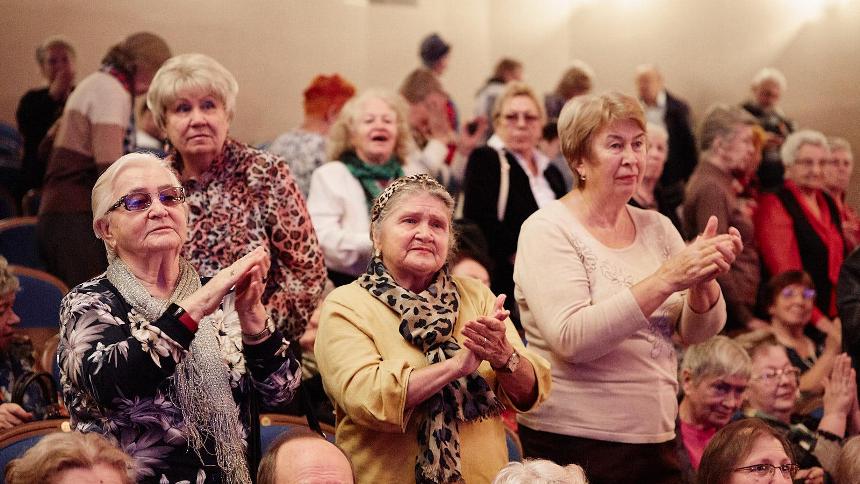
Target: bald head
(305, 459)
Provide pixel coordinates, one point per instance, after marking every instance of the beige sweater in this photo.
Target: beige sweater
(613, 369)
(365, 365)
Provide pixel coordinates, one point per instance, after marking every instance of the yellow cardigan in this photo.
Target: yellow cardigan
(365, 366)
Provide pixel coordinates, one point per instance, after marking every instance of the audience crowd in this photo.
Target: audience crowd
(590, 280)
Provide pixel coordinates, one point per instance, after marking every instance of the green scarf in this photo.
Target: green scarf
(373, 178)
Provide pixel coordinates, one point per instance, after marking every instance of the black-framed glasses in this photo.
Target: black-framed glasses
(765, 471)
(137, 201)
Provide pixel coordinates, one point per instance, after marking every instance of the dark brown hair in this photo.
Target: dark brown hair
(731, 445)
(780, 281)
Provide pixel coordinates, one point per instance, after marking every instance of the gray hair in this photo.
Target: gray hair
(340, 134)
(796, 140)
(190, 72)
(405, 188)
(720, 122)
(836, 143)
(657, 129)
(51, 42)
(718, 356)
(848, 466)
(103, 191)
(540, 471)
(770, 74)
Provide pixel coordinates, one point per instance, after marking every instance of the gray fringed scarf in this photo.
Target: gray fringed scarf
(202, 385)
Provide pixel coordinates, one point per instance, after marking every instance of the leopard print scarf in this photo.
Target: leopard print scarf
(428, 320)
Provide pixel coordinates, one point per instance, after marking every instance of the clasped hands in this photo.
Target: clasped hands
(486, 339)
(703, 260)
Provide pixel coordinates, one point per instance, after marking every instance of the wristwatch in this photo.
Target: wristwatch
(511, 365)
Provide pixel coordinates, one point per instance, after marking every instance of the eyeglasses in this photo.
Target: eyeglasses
(766, 471)
(807, 293)
(514, 118)
(137, 201)
(772, 376)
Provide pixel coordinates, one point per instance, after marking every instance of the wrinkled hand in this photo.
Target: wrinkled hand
(11, 414)
(840, 388)
(486, 336)
(709, 256)
(247, 270)
(813, 475)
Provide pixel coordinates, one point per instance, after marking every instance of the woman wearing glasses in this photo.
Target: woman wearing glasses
(772, 395)
(790, 299)
(238, 197)
(749, 451)
(153, 358)
(509, 179)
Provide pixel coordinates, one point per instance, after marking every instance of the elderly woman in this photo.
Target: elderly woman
(150, 357)
(370, 144)
(69, 458)
(603, 288)
(647, 194)
(837, 176)
(418, 362)
(813, 352)
(540, 471)
(506, 183)
(714, 376)
(799, 226)
(238, 196)
(747, 452)
(16, 351)
(94, 130)
(772, 396)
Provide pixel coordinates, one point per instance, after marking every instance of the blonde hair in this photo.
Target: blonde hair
(512, 90)
(848, 466)
(540, 471)
(190, 72)
(8, 281)
(62, 451)
(340, 134)
(583, 117)
(103, 195)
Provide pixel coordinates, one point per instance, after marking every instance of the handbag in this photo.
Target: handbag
(47, 387)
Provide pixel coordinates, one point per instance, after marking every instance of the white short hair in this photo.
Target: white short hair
(796, 140)
(540, 471)
(190, 72)
(103, 196)
(770, 74)
(836, 143)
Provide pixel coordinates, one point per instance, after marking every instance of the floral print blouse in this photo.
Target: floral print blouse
(246, 199)
(117, 379)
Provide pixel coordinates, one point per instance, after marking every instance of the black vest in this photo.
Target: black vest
(813, 251)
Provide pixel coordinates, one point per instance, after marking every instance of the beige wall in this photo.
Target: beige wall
(707, 49)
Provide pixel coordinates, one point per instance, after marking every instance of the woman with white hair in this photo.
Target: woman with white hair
(714, 376)
(540, 471)
(238, 196)
(799, 226)
(370, 146)
(156, 358)
(837, 176)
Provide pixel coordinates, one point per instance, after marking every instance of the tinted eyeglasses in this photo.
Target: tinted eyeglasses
(765, 471)
(513, 118)
(137, 201)
(806, 293)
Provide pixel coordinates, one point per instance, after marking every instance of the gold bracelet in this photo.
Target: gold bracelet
(267, 330)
